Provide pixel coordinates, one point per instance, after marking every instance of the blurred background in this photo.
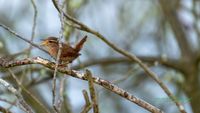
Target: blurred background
(164, 34)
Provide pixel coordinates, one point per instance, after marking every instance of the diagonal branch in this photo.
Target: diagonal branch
(104, 83)
(22, 38)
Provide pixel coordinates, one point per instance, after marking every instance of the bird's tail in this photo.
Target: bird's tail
(79, 45)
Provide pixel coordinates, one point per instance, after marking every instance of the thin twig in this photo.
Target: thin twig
(104, 83)
(93, 95)
(127, 75)
(87, 105)
(22, 38)
(57, 63)
(61, 92)
(34, 25)
(132, 57)
(34, 20)
(32, 34)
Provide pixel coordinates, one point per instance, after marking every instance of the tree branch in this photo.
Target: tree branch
(87, 105)
(22, 38)
(104, 83)
(93, 95)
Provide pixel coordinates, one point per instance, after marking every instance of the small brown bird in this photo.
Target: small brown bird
(68, 53)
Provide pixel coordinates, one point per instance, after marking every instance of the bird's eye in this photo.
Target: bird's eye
(50, 41)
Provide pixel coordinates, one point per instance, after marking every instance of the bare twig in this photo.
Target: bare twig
(34, 20)
(34, 25)
(32, 35)
(93, 95)
(14, 77)
(61, 92)
(87, 105)
(23, 104)
(132, 57)
(57, 62)
(104, 83)
(22, 38)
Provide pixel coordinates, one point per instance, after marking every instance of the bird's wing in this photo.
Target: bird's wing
(68, 51)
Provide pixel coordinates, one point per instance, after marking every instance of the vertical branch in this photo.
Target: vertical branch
(34, 21)
(32, 34)
(61, 92)
(92, 92)
(169, 11)
(57, 61)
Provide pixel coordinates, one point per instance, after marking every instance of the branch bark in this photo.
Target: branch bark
(104, 83)
(93, 95)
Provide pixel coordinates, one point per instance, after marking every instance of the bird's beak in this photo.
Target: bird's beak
(43, 43)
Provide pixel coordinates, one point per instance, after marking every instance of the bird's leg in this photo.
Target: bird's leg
(63, 64)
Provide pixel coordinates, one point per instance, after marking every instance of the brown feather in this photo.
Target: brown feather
(79, 45)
